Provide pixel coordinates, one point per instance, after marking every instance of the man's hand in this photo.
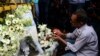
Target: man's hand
(56, 37)
(57, 32)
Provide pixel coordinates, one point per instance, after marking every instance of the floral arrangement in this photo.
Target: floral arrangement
(9, 35)
(20, 13)
(21, 9)
(11, 32)
(45, 39)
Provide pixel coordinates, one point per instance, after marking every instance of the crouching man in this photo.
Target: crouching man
(86, 43)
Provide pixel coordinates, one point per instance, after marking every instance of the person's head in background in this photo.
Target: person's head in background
(79, 18)
(91, 12)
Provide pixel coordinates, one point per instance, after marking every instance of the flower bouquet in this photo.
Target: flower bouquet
(22, 9)
(9, 36)
(45, 39)
(11, 32)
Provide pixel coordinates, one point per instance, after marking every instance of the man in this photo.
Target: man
(86, 43)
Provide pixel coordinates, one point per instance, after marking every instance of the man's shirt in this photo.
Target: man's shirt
(86, 43)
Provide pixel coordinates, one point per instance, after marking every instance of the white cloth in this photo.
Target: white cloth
(30, 31)
(86, 43)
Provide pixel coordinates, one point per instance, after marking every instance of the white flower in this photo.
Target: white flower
(21, 34)
(4, 28)
(39, 35)
(6, 41)
(4, 33)
(1, 49)
(25, 8)
(13, 38)
(21, 25)
(5, 47)
(18, 20)
(44, 43)
(42, 27)
(0, 33)
(11, 15)
(11, 29)
(13, 46)
(17, 27)
(15, 21)
(0, 27)
(48, 31)
(39, 26)
(21, 28)
(7, 33)
(19, 12)
(8, 22)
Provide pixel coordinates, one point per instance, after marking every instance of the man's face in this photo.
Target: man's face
(74, 20)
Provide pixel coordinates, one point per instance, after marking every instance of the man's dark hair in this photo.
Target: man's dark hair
(81, 16)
